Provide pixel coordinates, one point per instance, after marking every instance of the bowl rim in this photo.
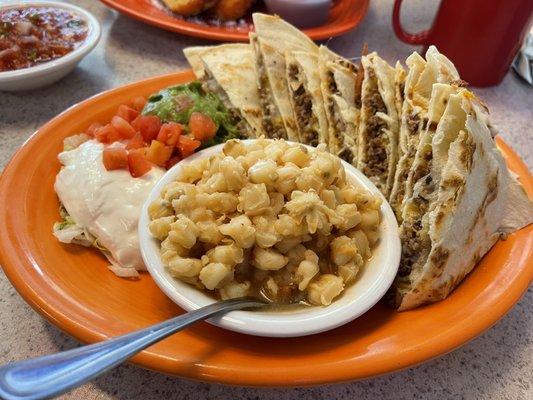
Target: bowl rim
(93, 36)
(301, 322)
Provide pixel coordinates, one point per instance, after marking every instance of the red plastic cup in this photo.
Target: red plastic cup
(481, 37)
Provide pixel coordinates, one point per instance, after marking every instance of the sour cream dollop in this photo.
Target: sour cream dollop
(105, 203)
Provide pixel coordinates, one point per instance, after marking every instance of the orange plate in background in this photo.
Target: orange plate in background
(344, 16)
(71, 286)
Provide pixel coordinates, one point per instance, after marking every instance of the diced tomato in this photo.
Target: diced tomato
(136, 142)
(93, 128)
(115, 158)
(172, 161)
(138, 165)
(123, 127)
(127, 113)
(113, 135)
(101, 135)
(138, 103)
(202, 126)
(158, 153)
(135, 123)
(107, 134)
(187, 145)
(148, 125)
(169, 133)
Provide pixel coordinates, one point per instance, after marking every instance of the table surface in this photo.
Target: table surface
(496, 365)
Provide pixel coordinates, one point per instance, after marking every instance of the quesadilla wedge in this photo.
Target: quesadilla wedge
(418, 87)
(306, 97)
(378, 129)
(228, 71)
(273, 38)
(423, 159)
(340, 84)
(460, 208)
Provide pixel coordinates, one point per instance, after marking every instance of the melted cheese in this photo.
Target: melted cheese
(105, 203)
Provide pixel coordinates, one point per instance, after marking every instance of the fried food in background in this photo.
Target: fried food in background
(189, 7)
(231, 9)
(223, 9)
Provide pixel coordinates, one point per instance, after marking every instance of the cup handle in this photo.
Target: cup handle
(411, 38)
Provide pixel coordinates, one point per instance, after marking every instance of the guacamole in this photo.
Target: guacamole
(177, 103)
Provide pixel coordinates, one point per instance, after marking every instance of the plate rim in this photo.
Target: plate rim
(199, 31)
(338, 370)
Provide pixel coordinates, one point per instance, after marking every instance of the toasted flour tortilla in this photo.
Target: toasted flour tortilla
(378, 129)
(193, 56)
(399, 86)
(306, 97)
(418, 87)
(340, 88)
(228, 71)
(273, 38)
(460, 208)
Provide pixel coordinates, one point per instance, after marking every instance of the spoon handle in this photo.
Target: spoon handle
(51, 375)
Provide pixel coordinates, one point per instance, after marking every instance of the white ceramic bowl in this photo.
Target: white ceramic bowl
(372, 283)
(49, 72)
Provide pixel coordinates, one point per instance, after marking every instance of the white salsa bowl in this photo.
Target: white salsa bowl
(48, 72)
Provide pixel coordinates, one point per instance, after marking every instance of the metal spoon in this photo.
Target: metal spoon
(51, 375)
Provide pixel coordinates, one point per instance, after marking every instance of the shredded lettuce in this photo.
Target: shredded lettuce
(68, 231)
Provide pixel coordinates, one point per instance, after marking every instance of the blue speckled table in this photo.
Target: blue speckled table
(496, 365)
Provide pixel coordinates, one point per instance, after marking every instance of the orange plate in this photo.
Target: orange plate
(71, 286)
(344, 16)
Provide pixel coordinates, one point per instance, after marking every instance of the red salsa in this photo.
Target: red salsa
(32, 35)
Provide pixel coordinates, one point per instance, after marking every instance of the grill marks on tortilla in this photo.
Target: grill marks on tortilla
(438, 258)
(306, 120)
(490, 196)
(466, 157)
(375, 154)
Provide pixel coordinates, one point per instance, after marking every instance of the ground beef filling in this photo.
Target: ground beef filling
(401, 91)
(303, 107)
(272, 121)
(401, 188)
(422, 169)
(337, 121)
(413, 123)
(377, 141)
(376, 155)
(347, 155)
(415, 240)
